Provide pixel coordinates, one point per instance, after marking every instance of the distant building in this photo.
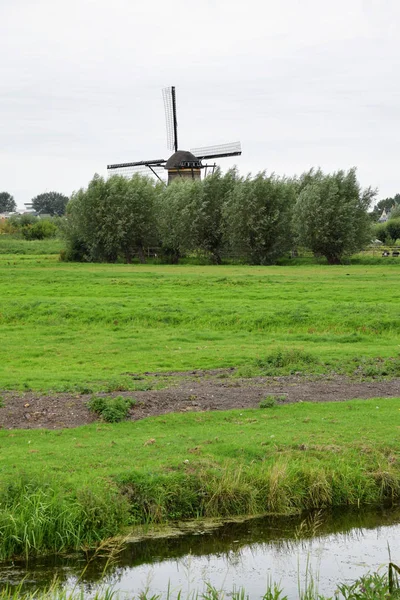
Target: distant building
(386, 214)
(384, 217)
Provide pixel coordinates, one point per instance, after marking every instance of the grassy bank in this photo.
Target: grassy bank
(85, 327)
(69, 488)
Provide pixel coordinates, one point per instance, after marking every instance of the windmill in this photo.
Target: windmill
(182, 163)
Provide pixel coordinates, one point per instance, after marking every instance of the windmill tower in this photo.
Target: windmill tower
(182, 164)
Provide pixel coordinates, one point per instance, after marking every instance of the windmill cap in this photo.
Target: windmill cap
(183, 160)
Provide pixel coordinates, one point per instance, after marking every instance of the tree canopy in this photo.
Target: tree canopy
(330, 215)
(258, 218)
(7, 202)
(112, 217)
(50, 203)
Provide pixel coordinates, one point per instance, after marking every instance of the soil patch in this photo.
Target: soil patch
(194, 391)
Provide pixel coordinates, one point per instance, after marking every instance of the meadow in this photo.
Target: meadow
(88, 327)
(77, 327)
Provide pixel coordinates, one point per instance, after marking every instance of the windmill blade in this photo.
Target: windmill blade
(156, 162)
(218, 151)
(142, 167)
(170, 118)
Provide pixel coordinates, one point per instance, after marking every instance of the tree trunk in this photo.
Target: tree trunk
(333, 260)
(141, 255)
(216, 258)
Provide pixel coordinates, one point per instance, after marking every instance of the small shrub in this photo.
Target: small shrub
(119, 384)
(286, 361)
(376, 368)
(271, 401)
(268, 402)
(111, 410)
(247, 371)
(39, 230)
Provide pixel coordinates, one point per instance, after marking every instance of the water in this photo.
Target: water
(333, 546)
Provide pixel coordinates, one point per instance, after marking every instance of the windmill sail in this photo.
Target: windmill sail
(143, 167)
(169, 98)
(218, 151)
(156, 162)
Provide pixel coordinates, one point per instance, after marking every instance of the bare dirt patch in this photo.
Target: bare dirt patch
(194, 391)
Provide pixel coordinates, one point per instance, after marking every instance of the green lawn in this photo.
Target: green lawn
(64, 325)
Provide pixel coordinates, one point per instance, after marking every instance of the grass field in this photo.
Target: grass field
(82, 327)
(71, 326)
(15, 244)
(61, 489)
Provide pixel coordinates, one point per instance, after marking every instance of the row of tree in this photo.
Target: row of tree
(257, 217)
(54, 204)
(49, 203)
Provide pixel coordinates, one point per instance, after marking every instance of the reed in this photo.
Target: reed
(37, 517)
(373, 586)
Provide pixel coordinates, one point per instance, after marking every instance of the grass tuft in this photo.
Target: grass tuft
(111, 409)
(272, 400)
(290, 360)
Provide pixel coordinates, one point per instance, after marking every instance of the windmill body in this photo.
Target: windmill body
(182, 164)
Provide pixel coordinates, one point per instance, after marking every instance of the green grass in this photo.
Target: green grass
(88, 326)
(67, 488)
(16, 245)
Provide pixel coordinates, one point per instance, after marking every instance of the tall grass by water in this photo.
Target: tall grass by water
(372, 586)
(84, 485)
(86, 327)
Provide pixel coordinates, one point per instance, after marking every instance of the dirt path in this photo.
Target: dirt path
(196, 391)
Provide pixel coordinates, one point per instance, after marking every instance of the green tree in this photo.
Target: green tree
(40, 230)
(330, 215)
(379, 232)
(207, 214)
(175, 217)
(258, 215)
(393, 229)
(132, 203)
(395, 212)
(50, 203)
(7, 202)
(111, 218)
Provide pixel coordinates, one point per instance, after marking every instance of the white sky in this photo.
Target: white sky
(300, 83)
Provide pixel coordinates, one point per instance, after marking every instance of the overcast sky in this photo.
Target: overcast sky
(300, 83)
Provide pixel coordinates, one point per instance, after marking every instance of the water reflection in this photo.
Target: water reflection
(336, 545)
